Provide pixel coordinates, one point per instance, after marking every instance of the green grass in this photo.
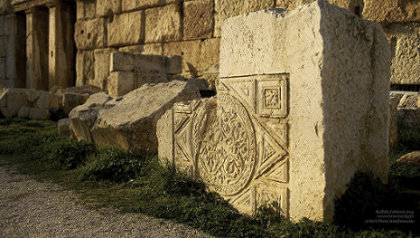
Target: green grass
(129, 182)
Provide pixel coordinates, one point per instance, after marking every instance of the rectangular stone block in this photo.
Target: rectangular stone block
(188, 51)
(120, 83)
(144, 76)
(85, 9)
(126, 29)
(405, 42)
(196, 56)
(163, 24)
(80, 10)
(392, 11)
(85, 67)
(229, 8)
(147, 49)
(122, 61)
(89, 34)
(262, 139)
(106, 7)
(102, 67)
(128, 5)
(198, 19)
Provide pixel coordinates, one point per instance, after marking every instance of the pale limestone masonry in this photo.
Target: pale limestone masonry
(184, 28)
(127, 71)
(302, 104)
(129, 122)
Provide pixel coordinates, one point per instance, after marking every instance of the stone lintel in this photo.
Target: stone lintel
(23, 5)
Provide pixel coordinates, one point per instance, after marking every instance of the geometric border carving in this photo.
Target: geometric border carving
(273, 96)
(267, 95)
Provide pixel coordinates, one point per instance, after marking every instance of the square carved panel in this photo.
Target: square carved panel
(273, 96)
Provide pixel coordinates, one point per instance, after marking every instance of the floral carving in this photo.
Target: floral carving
(226, 154)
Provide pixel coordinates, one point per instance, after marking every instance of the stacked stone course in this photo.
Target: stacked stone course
(192, 29)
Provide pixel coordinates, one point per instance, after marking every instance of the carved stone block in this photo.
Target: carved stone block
(300, 109)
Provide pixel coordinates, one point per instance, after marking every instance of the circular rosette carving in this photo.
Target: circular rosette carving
(225, 148)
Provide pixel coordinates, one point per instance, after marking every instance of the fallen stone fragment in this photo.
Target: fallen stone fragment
(412, 158)
(408, 101)
(84, 116)
(129, 122)
(11, 100)
(72, 100)
(63, 127)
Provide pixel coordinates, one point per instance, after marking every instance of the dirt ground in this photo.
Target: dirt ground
(32, 209)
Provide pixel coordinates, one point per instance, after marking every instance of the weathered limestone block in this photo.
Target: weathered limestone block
(107, 7)
(85, 68)
(198, 19)
(102, 67)
(392, 11)
(11, 100)
(163, 24)
(128, 5)
(412, 158)
(72, 100)
(41, 99)
(147, 49)
(85, 89)
(188, 51)
(84, 116)
(131, 122)
(405, 42)
(144, 76)
(408, 101)
(196, 56)
(85, 9)
(267, 141)
(120, 83)
(80, 10)
(229, 8)
(210, 75)
(89, 34)
(121, 61)
(125, 29)
(63, 127)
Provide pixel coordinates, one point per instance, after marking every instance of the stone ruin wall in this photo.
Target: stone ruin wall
(192, 29)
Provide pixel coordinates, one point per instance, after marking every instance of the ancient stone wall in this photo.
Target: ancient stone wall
(192, 29)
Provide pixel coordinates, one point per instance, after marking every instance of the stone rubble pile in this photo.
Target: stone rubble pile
(39, 105)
